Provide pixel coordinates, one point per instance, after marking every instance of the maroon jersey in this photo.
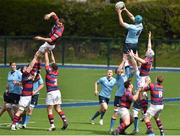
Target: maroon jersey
(156, 91)
(146, 67)
(126, 99)
(27, 84)
(51, 79)
(56, 31)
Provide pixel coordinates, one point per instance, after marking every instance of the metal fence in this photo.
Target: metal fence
(87, 50)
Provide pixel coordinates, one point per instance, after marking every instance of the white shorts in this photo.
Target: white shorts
(53, 98)
(46, 46)
(24, 102)
(154, 110)
(142, 81)
(123, 112)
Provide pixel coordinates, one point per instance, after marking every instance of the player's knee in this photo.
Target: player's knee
(8, 106)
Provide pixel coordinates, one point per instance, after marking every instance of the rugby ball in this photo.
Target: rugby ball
(119, 5)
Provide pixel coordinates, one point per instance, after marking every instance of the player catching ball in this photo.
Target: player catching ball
(56, 32)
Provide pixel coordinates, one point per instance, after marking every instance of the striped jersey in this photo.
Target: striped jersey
(146, 67)
(156, 91)
(126, 99)
(51, 79)
(56, 32)
(27, 84)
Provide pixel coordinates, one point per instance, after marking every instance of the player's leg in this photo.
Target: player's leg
(62, 116)
(3, 109)
(115, 114)
(51, 117)
(159, 123)
(103, 109)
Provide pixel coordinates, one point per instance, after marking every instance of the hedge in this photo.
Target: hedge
(25, 17)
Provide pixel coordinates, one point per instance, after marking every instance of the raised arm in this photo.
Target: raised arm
(121, 21)
(52, 57)
(96, 89)
(137, 57)
(46, 58)
(149, 41)
(136, 96)
(130, 15)
(48, 16)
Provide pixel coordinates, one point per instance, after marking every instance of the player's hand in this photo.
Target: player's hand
(47, 17)
(37, 38)
(96, 93)
(149, 34)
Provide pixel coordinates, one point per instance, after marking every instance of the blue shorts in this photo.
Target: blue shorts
(137, 105)
(128, 46)
(103, 99)
(117, 101)
(11, 98)
(34, 99)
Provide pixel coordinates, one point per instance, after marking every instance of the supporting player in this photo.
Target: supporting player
(123, 110)
(122, 76)
(156, 91)
(107, 83)
(134, 30)
(53, 99)
(38, 84)
(27, 91)
(56, 32)
(146, 65)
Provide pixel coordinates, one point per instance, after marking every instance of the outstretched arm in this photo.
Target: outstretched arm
(122, 64)
(149, 41)
(48, 16)
(121, 21)
(137, 57)
(40, 38)
(52, 57)
(130, 15)
(46, 58)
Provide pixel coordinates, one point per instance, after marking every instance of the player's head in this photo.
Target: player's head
(119, 71)
(128, 84)
(160, 79)
(149, 53)
(60, 22)
(138, 19)
(54, 66)
(109, 73)
(13, 66)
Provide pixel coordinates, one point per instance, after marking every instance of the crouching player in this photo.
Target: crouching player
(53, 99)
(156, 106)
(126, 100)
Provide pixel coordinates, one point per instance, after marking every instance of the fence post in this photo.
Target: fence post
(62, 53)
(5, 50)
(155, 46)
(108, 54)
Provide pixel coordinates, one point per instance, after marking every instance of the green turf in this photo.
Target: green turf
(77, 86)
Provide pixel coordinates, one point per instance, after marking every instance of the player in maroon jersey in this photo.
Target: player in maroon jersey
(156, 106)
(53, 99)
(123, 110)
(56, 32)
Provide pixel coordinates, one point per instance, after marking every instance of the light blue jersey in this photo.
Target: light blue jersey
(137, 80)
(37, 84)
(12, 77)
(120, 79)
(134, 31)
(106, 86)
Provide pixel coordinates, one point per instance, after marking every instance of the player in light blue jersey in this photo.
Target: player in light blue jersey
(134, 30)
(107, 83)
(37, 86)
(120, 79)
(13, 90)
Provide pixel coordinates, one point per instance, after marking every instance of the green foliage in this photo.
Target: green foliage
(95, 19)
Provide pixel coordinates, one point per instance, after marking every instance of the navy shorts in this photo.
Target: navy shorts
(11, 98)
(103, 99)
(128, 46)
(34, 99)
(117, 101)
(137, 105)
